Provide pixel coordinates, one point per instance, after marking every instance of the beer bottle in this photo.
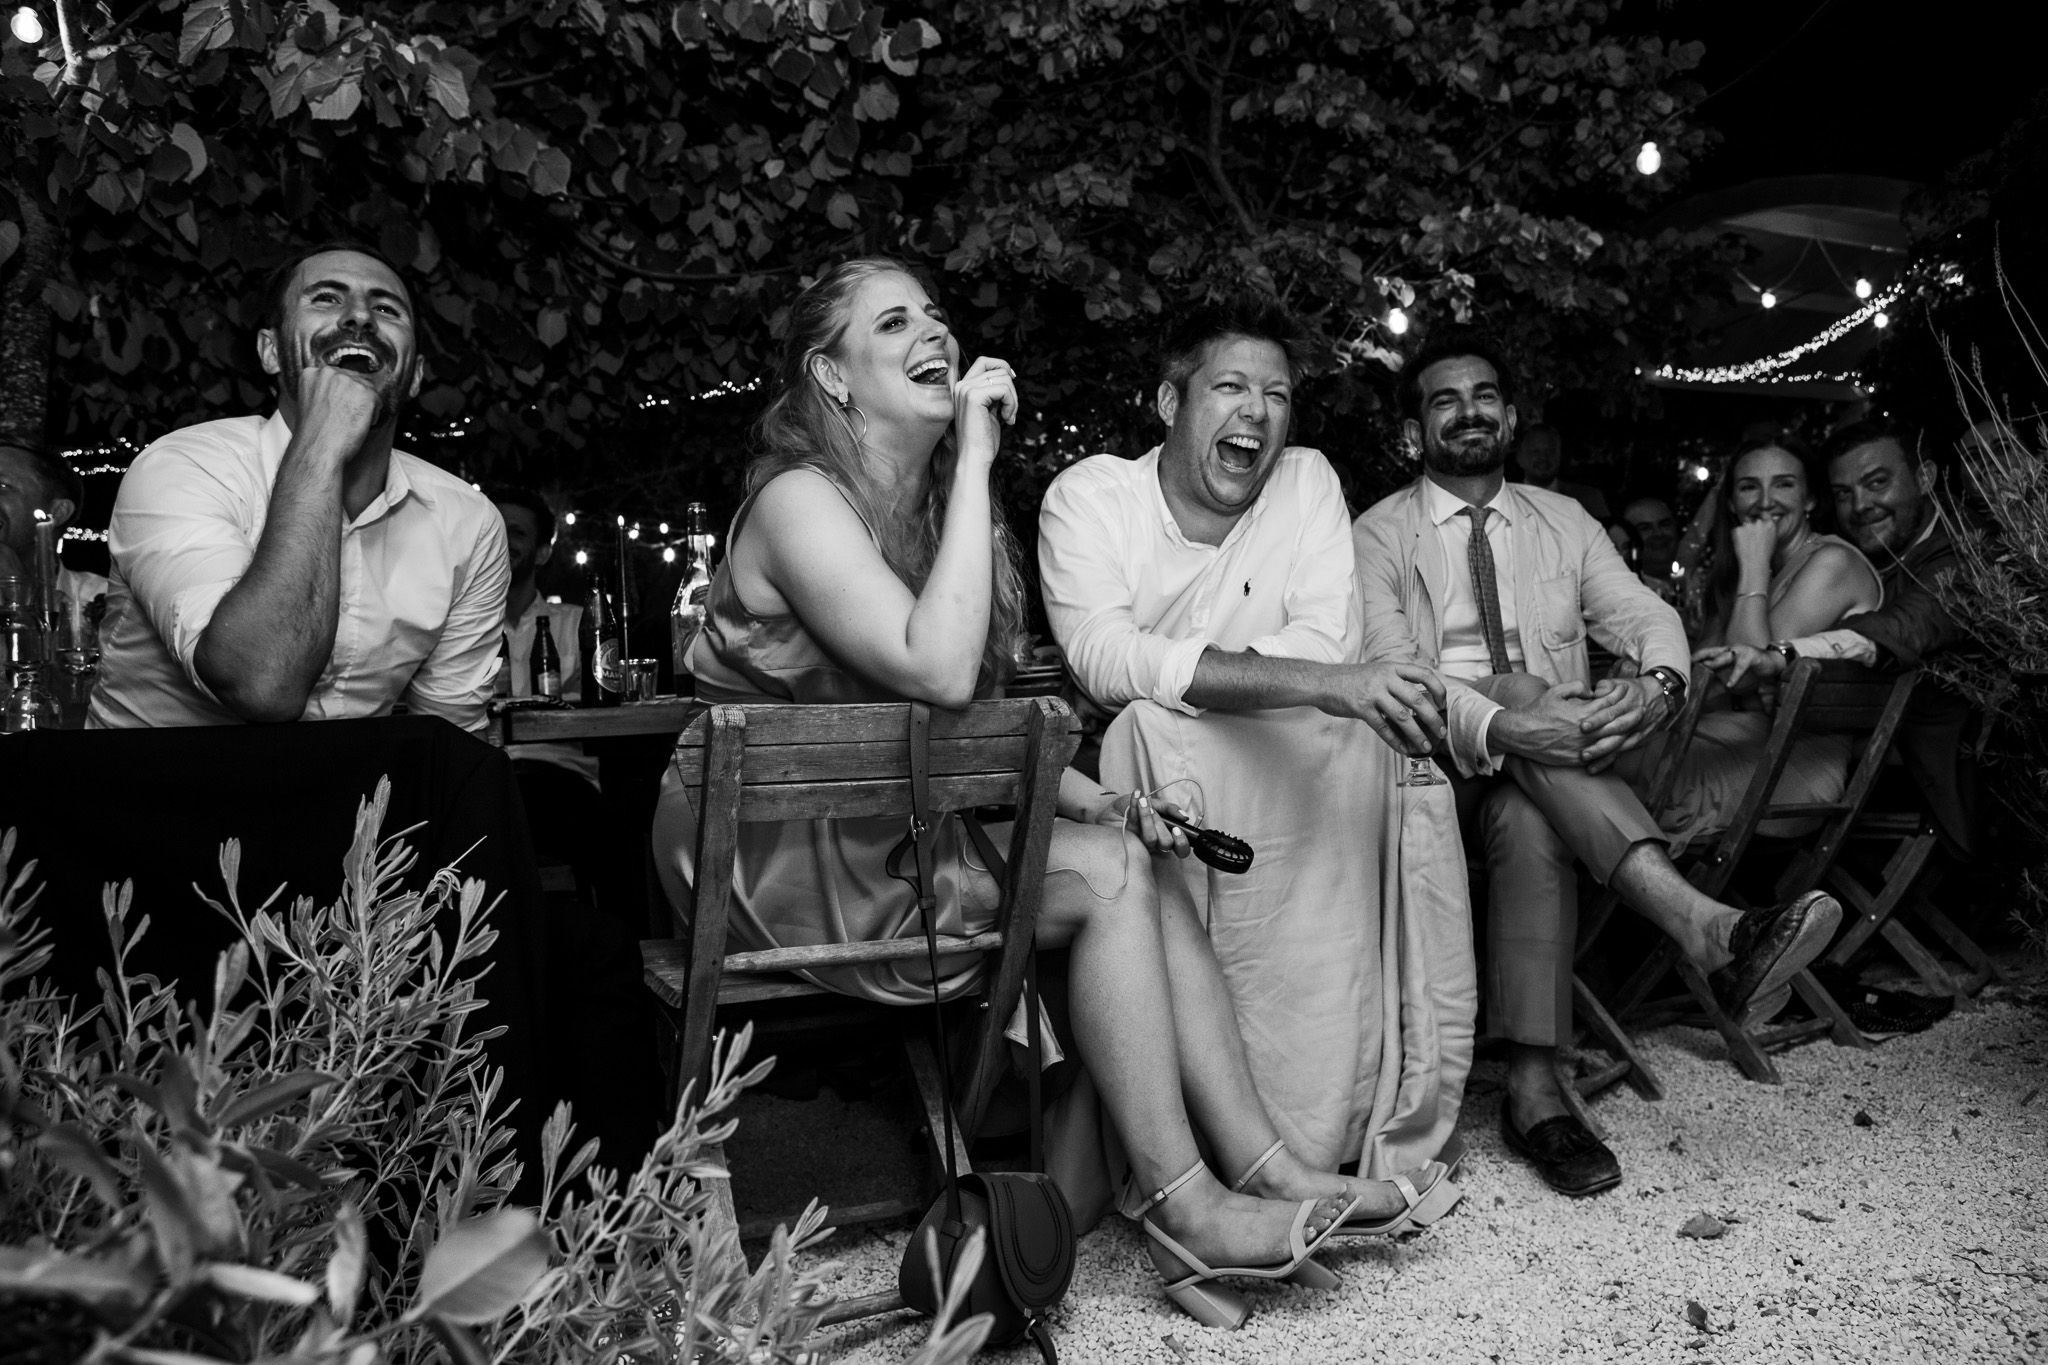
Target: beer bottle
(501, 684)
(546, 663)
(686, 615)
(604, 668)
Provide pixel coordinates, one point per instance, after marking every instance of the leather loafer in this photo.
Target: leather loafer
(1770, 946)
(1565, 1153)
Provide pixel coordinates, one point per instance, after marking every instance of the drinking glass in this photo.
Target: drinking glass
(641, 678)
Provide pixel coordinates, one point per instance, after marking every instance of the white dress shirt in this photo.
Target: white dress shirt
(422, 582)
(564, 620)
(1466, 655)
(1134, 603)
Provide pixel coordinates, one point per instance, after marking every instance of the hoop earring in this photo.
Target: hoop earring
(860, 437)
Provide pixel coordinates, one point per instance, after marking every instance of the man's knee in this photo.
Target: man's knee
(1512, 826)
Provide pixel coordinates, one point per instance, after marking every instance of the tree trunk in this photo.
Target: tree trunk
(25, 327)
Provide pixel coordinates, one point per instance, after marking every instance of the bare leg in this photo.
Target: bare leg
(1649, 884)
(1215, 1071)
(1125, 1025)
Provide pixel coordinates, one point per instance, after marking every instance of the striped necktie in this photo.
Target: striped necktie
(1486, 588)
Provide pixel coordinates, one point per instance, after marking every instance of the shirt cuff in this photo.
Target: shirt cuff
(191, 613)
(1486, 761)
(1282, 645)
(1177, 674)
(1852, 645)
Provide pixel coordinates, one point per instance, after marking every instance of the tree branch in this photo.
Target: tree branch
(1212, 147)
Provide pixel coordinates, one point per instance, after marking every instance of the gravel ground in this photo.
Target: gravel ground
(1881, 1206)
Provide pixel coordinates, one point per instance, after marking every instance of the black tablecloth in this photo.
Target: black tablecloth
(154, 806)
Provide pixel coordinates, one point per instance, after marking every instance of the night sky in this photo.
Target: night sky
(1873, 88)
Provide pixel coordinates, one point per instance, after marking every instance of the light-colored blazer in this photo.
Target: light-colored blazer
(1568, 581)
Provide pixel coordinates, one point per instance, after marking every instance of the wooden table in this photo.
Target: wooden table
(662, 716)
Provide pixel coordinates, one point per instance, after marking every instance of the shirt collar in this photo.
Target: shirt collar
(1444, 504)
(1151, 459)
(276, 434)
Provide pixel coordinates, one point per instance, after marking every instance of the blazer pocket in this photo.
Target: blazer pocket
(1560, 614)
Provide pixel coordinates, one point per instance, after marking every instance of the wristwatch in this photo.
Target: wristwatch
(1785, 650)
(1672, 682)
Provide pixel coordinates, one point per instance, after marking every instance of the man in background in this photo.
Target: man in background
(1541, 457)
(34, 479)
(1656, 528)
(558, 782)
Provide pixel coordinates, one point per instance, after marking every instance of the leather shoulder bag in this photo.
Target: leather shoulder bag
(1029, 1249)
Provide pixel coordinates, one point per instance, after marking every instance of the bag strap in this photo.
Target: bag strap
(921, 835)
(986, 847)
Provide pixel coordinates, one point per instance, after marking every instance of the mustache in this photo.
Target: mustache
(327, 344)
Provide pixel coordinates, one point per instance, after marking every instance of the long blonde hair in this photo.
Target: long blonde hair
(803, 428)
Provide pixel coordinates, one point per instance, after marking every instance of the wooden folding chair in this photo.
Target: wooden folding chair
(1905, 884)
(770, 763)
(1814, 696)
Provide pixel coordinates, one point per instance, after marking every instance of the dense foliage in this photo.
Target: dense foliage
(606, 201)
(312, 1168)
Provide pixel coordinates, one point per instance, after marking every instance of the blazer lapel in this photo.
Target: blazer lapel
(1429, 563)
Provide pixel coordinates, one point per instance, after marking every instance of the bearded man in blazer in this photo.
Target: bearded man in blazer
(1497, 586)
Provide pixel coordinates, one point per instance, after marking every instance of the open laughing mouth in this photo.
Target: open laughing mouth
(357, 357)
(1239, 453)
(936, 372)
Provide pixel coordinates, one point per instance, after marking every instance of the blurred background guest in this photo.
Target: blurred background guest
(34, 479)
(1656, 529)
(1540, 454)
(558, 782)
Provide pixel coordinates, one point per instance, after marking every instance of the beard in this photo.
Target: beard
(388, 382)
(1481, 451)
(1890, 535)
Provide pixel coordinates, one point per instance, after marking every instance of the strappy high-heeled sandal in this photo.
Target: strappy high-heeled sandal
(1424, 1206)
(1213, 1305)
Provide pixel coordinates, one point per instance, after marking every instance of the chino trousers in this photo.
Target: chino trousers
(1529, 822)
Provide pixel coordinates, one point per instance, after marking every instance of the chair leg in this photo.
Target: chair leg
(1615, 1039)
(1742, 1048)
(1645, 978)
(1824, 1006)
(924, 1071)
(1561, 1071)
(1924, 964)
(1960, 943)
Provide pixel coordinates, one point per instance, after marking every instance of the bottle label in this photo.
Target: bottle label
(609, 669)
(550, 685)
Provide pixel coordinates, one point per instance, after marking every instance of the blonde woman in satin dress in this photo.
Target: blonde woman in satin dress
(868, 564)
(1778, 578)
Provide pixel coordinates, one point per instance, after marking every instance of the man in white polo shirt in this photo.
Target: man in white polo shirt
(297, 567)
(1204, 597)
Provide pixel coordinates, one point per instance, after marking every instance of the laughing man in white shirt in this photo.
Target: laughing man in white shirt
(298, 567)
(1204, 597)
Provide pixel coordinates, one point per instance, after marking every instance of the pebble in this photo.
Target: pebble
(1922, 1244)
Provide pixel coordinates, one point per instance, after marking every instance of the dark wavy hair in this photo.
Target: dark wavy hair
(1185, 343)
(803, 428)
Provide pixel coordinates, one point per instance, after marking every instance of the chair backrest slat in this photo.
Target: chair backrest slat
(772, 763)
(819, 762)
(888, 796)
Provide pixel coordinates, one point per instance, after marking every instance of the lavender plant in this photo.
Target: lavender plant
(315, 1168)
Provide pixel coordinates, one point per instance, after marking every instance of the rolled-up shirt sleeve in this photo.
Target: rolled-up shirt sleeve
(182, 539)
(1322, 591)
(455, 680)
(1083, 558)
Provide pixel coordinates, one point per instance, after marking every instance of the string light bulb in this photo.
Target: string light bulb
(1768, 299)
(668, 554)
(1397, 321)
(1862, 288)
(568, 519)
(664, 528)
(1649, 160)
(582, 558)
(27, 25)
(1881, 321)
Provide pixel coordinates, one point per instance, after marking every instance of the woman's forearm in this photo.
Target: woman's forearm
(949, 624)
